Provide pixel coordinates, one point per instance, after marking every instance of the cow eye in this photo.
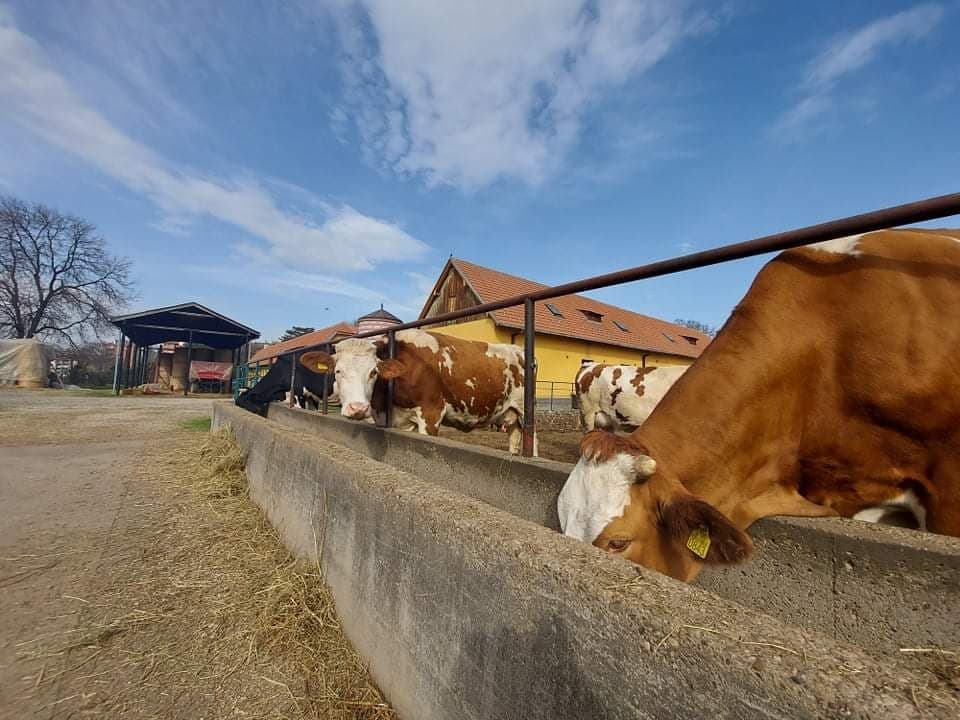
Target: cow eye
(618, 544)
(373, 373)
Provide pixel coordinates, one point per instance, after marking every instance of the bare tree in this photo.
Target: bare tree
(697, 325)
(57, 278)
(295, 331)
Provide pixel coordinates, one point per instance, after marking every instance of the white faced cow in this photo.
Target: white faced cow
(832, 389)
(618, 397)
(439, 380)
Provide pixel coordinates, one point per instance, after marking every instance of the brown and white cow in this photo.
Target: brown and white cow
(440, 380)
(617, 397)
(832, 389)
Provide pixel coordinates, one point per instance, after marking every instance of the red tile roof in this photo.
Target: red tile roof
(642, 331)
(317, 337)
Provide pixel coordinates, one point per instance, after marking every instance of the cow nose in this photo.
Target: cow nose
(356, 411)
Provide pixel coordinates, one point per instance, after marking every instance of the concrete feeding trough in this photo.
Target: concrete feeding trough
(451, 580)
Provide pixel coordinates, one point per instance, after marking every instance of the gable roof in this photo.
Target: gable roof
(641, 332)
(181, 323)
(317, 337)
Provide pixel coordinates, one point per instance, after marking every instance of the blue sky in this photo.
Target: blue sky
(299, 163)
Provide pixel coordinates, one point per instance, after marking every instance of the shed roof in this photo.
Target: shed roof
(576, 316)
(184, 322)
(317, 337)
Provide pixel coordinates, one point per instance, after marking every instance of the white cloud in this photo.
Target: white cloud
(847, 54)
(252, 269)
(38, 98)
(472, 92)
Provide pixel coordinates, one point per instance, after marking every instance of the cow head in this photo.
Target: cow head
(617, 500)
(356, 369)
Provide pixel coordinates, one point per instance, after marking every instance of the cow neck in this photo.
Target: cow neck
(728, 430)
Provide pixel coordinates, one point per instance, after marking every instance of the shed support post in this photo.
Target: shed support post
(186, 386)
(116, 364)
(293, 377)
(128, 364)
(529, 378)
(326, 385)
(391, 353)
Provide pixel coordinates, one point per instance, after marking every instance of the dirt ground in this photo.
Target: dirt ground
(553, 445)
(128, 588)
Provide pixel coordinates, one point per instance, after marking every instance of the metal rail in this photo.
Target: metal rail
(907, 214)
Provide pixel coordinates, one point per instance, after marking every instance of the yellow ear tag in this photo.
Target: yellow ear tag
(321, 366)
(699, 542)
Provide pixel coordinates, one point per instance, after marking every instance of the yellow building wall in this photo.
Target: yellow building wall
(558, 358)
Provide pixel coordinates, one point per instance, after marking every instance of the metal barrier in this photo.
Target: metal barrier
(556, 395)
(909, 213)
(247, 376)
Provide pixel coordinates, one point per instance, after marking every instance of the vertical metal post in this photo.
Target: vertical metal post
(326, 383)
(116, 364)
(127, 363)
(391, 353)
(132, 375)
(551, 396)
(529, 378)
(293, 377)
(235, 371)
(186, 387)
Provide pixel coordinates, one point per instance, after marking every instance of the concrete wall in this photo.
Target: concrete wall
(880, 587)
(466, 611)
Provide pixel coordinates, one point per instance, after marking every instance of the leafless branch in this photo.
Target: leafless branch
(57, 278)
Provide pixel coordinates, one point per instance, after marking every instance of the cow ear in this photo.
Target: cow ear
(705, 531)
(318, 362)
(390, 369)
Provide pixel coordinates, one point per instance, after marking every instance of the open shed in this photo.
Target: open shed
(196, 332)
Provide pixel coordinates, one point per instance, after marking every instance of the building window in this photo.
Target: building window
(668, 336)
(621, 325)
(689, 339)
(554, 310)
(591, 315)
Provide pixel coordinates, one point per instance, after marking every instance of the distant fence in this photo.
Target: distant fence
(555, 395)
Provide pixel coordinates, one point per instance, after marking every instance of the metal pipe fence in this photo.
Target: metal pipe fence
(914, 212)
(556, 395)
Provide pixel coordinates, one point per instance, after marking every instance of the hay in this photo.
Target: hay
(203, 613)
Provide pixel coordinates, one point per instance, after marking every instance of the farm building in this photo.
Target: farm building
(570, 329)
(371, 322)
(332, 334)
(179, 347)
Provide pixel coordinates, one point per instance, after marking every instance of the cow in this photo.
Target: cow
(831, 390)
(618, 397)
(275, 386)
(308, 399)
(439, 380)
